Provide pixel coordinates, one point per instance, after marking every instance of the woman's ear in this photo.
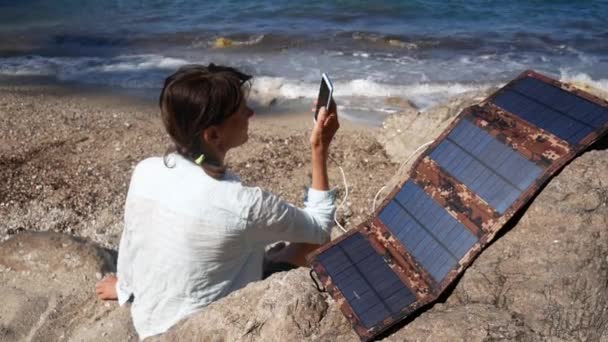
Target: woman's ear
(211, 135)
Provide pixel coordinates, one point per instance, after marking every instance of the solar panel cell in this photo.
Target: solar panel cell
(365, 300)
(398, 300)
(336, 262)
(580, 134)
(358, 252)
(374, 315)
(601, 118)
(479, 180)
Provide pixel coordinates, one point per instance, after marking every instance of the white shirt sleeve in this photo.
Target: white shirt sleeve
(124, 265)
(126, 254)
(272, 219)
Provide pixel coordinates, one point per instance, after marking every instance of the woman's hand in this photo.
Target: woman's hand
(325, 129)
(322, 134)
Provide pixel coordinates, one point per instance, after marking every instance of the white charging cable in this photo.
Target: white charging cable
(345, 195)
(399, 170)
(379, 191)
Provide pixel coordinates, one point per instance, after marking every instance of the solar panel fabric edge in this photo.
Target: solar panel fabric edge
(549, 171)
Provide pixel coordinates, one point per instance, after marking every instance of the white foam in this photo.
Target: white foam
(251, 41)
(360, 94)
(582, 78)
(37, 65)
(28, 66)
(142, 62)
(361, 54)
(127, 71)
(293, 89)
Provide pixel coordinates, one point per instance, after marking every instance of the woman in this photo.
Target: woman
(193, 233)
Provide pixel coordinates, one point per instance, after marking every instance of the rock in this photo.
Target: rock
(403, 133)
(222, 42)
(48, 291)
(286, 307)
(403, 136)
(401, 103)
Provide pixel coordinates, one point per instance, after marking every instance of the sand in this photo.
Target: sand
(67, 153)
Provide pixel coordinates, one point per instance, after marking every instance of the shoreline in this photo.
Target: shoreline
(67, 154)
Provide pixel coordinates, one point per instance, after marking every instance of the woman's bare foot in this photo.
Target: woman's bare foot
(106, 288)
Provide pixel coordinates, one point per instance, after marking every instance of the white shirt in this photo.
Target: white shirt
(190, 239)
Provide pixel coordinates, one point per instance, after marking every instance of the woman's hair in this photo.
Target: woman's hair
(196, 97)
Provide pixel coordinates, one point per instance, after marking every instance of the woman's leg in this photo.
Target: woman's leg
(295, 253)
(106, 288)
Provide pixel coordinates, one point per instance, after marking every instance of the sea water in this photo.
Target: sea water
(424, 51)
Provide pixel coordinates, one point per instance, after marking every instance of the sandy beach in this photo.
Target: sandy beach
(67, 153)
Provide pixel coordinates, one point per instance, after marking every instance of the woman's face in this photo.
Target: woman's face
(233, 131)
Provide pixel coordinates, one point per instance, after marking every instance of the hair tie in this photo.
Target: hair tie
(200, 159)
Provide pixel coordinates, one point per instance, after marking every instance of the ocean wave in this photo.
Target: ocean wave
(265, 89)
(134, 63)
(389, 40)
(131, 71)
(585, 81)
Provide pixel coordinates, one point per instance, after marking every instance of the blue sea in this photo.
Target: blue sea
(426, 51)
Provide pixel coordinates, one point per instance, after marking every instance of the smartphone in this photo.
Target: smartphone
(325, 94)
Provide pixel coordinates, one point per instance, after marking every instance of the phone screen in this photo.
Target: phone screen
(324, 97)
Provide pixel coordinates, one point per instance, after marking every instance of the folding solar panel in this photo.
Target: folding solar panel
(490, 161)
